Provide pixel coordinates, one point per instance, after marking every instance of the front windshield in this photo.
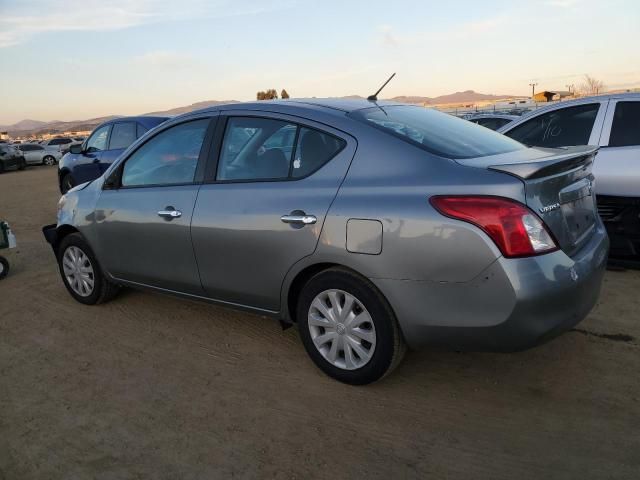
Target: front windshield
(436, 132)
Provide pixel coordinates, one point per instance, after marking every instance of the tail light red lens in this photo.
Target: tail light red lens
(514, 228)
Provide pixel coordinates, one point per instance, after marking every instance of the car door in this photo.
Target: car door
(143, 214)
(122, 135)
(263, 203)
(33, 154)
(617, 165)
(86, 165)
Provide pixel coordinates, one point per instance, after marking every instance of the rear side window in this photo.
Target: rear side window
(625, 129)
(141, 130)
(492, 123)
(267, 149)
(559, 128)
(436, 132)
(313, 150)
(256, 149)
(123, 135)
(169, 158)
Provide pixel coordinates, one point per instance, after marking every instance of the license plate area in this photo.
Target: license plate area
(578, 209)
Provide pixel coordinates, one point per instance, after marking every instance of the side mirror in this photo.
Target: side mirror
(112, 182)
(75, 148)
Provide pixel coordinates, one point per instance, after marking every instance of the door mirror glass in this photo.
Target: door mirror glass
(75, 149)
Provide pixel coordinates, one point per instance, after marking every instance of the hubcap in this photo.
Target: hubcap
(48, 161)
(78, 271)
(342, 329)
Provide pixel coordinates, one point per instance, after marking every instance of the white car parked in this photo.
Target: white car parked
(613, 123)
(35, 154)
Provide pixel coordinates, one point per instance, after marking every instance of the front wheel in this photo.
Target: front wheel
(81, 272)
(4, 267)
(348, 327)
(49, 160)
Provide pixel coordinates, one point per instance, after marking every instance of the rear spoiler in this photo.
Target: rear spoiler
(574, 158)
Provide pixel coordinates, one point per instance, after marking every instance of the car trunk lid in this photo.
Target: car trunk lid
(558, 187)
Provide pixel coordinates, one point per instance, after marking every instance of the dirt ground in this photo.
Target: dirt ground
(155, 387)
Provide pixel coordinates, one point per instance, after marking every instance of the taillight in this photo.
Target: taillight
(514, 228)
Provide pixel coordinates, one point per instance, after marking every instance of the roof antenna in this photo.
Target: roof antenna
(374, 97)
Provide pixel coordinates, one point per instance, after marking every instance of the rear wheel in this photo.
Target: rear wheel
(348, 328)
(81, 272)
(67, 183)
(4, 267)
(49, 160)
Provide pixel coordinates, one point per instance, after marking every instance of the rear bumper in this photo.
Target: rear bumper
(513, 305)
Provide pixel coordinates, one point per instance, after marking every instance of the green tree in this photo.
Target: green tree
(284, 94)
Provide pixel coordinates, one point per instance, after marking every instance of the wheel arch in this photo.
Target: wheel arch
(298, 280)
(61, 232)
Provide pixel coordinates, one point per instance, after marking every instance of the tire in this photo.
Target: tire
(102, 289)
(380, 357)
(48, 160)
(22, 165)
(67, 183)
(4, 267)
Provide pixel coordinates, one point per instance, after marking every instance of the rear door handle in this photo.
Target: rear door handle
(169, 213)
(301, 219)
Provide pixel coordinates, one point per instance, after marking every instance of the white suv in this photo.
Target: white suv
(613, 123)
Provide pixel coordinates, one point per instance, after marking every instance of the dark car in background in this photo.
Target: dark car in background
(91, 159)
(11, 157)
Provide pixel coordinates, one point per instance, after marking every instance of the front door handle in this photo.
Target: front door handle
(299, 219)
(169, 213)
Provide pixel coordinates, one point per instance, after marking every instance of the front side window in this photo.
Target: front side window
(436, 132)
(169, 158)
(123, 135)
(625, 129)
(559, 128)
(98, 139)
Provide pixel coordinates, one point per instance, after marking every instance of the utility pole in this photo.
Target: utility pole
(533, 88)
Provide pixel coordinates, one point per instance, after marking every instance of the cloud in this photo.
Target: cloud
(461, 31)
(388, 38)
(18, 23)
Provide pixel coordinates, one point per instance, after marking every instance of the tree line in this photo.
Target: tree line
(272, 94)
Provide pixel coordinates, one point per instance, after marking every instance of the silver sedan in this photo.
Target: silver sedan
(370, 225)
(36, 154)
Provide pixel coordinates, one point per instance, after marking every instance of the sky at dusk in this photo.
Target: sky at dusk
(72, 59)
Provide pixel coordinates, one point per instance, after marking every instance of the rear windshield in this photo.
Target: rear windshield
(437, 132)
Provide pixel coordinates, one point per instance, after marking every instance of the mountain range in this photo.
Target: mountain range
(35, 127)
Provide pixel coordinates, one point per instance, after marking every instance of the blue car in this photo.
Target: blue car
(90, 160)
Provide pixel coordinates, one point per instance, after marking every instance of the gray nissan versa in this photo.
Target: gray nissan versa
(371, 225)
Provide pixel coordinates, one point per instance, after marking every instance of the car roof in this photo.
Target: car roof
(580, 101)
(505, 116)
(148, 121)
(336, 105)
